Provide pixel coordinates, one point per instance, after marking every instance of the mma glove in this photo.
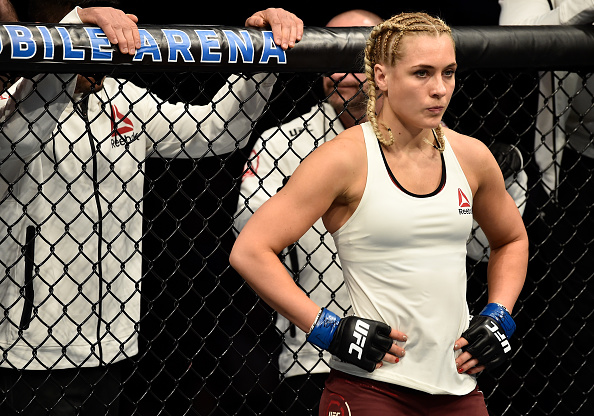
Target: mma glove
(488, 335)
(354, 340)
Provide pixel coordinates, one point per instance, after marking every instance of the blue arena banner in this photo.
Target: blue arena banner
(195, 47)
(75, 43)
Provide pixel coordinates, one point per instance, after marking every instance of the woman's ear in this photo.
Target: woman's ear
(380, 77)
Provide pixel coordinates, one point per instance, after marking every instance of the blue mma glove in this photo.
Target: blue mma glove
(488, 335)
(354, 340)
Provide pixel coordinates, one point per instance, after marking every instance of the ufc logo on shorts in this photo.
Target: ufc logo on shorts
(502, 338)
(360, 335)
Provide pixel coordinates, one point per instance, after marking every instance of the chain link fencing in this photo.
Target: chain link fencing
(116, 226)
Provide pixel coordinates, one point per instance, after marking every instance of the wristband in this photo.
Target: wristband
(314, 323)
(323, 329)
(500, 314)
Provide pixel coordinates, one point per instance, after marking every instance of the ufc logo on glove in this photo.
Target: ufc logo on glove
(360, 334)
(488, 335)
(501, 337)
(372, 338)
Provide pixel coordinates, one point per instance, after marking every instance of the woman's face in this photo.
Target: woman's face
(419, 87)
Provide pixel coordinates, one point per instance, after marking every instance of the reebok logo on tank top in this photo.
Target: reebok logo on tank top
(463, 204)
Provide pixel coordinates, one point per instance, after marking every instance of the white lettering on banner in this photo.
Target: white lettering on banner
(100, 50)
(47, 41)
(21, 39)
(180, 45)
(70, 53)
(242, 44)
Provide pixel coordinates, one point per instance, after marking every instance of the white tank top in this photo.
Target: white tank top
(404, 262)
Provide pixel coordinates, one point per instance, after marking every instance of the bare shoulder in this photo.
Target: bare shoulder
(350, 140)
(337, 169)
(474, 157)
(466, 146)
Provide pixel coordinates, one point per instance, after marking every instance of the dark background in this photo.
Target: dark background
(455, 13)
(461, 12)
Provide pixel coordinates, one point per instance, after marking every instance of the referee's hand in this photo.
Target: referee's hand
(287, 29)
(120, 28)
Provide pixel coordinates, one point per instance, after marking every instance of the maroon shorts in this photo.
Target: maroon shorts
(347, 395)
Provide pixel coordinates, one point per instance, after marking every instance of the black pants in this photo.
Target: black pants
(70, 392)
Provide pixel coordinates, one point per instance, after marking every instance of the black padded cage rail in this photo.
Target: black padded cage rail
(206, 344)
(222, 48)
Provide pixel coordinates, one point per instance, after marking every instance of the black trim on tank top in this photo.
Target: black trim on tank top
(403, 189)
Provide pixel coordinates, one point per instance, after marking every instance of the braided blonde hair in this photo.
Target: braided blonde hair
(383, 46)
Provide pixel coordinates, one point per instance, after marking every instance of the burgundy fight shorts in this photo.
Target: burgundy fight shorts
(347, 395)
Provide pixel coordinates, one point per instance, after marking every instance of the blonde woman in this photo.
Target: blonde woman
(398, 194)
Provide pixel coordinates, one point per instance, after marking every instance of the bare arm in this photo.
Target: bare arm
(321, 182)
(282, 220)
(497, 214)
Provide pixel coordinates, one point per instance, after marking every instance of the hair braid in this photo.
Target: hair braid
(383, 46)
(370, 62)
